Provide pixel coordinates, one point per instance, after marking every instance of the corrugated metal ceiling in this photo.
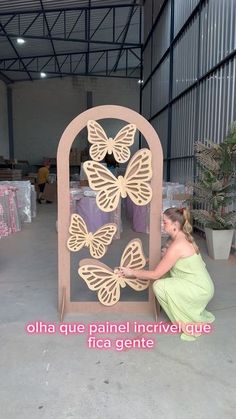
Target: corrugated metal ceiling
(7, 6)
(107, 33)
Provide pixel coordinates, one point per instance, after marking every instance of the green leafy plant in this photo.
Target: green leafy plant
(215, 185)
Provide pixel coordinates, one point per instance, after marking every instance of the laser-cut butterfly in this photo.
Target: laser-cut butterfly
(96, 242)
(101, 144)
(134, 183)
(99, 277)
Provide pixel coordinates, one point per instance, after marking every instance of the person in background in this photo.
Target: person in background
(42, 179)
(182, 284)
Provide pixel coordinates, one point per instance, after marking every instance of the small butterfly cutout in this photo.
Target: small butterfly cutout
(101, 144)
(96, 242)
(134, 183)
(99, 277)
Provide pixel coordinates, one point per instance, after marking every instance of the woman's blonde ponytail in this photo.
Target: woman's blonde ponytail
(187, 229)
(182, 216)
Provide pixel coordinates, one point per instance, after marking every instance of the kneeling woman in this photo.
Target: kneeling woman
(182, 284)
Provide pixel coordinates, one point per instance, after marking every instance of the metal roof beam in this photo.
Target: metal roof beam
(49, 33)
(67, 67)
(133, 70)
(63, 62)
(135, 55)
(34, 29)
(99, 59)
(5, 79)
(68, 9)
(63, 54)
(56, 20)
(30, 62)
(87, 34)
(31, 23)
(9, 20)
(68, 73)
(131, 12)
(83, 41)
(100, 23)
(13, 62)
(73, 27)
(45, 65)
(15, 50)
(77, 65)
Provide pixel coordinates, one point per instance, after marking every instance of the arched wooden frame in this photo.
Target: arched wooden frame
(63, 152)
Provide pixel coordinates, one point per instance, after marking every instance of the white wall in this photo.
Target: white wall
(42, 109)
(4, 138)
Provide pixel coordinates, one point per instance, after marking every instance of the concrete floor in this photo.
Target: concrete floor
(58, 377)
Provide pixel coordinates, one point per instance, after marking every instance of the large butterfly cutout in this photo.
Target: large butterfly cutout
(134, 183)
(99, 277)
(101, 144)
(96, 242)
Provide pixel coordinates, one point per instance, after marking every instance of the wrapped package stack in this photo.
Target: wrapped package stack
(33, 202)
(173, 195)
(83, 202)
(26, 199)
(9, 213)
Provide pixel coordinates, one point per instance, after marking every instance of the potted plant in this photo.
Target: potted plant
(215, 191)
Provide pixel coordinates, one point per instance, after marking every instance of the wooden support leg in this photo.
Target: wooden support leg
(63, 304)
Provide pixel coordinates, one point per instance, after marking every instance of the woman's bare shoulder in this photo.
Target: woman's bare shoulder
(175, 246)
(182, 247)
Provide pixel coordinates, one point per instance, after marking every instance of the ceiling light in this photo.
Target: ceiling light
(43, 75)
(20, 41)
(140, 81)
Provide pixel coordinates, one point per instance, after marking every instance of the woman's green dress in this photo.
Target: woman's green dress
(185, 292)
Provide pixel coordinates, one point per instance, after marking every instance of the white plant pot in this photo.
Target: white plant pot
(219, 243)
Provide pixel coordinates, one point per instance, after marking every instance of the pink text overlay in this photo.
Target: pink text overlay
(95, 332)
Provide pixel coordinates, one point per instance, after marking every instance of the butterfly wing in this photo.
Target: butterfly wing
(138, 174)
(136, 180)
(105, 183)
(101, 239)
(98, 138)
(133, 258)
(137, 284)
(102, 279)
(78, 231)
(122, 141)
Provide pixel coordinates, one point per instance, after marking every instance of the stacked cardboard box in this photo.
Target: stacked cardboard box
(10, 174)
(83, 182)
(50, 192)
(32, 177)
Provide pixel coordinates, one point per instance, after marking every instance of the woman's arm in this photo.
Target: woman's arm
(165, 247)
(169, 260)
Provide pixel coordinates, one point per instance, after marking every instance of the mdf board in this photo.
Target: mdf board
(80, 122)
(50, 192)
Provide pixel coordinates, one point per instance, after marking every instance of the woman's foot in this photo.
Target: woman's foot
(188, 338)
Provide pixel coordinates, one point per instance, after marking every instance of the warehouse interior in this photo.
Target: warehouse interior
(174, 63)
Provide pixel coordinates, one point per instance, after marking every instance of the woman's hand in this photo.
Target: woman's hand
(126, 272)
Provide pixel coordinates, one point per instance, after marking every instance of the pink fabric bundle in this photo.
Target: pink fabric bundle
(9, 215)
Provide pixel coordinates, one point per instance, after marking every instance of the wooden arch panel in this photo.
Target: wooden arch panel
(63, 152)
